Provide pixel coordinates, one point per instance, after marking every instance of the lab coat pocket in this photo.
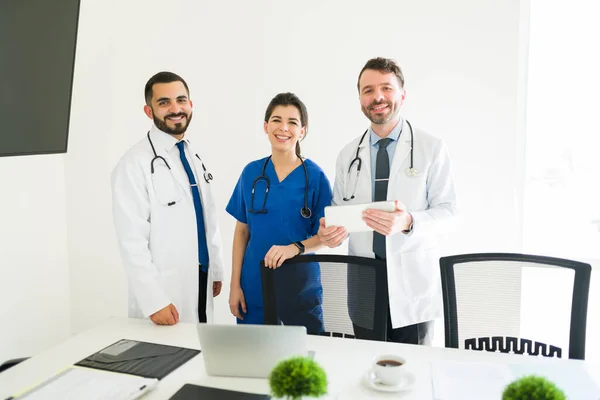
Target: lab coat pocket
(166, 188)
(411, 190)
(418, 273)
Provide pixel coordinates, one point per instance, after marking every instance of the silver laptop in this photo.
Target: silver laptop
(249, 351)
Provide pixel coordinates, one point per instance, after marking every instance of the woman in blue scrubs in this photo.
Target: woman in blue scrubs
(276, 221)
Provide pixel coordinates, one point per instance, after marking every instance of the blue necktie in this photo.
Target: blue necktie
(382, 174)
(202, 249)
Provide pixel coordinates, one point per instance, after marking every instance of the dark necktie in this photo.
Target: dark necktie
(202, 248)
(382, 174)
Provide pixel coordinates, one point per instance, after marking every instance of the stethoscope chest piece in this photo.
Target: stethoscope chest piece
(412, 172)
(305, 212)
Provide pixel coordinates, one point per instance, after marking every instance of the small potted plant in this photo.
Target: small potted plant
(533, 387)
(297, 378)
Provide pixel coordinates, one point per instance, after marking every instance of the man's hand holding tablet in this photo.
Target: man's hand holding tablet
(385, 217)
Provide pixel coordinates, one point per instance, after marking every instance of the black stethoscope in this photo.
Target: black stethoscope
(207, 175)
(304, 211)
(411, 171)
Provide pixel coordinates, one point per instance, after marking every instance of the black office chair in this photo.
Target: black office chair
(11, 363)
(497, 301)
(354, 294)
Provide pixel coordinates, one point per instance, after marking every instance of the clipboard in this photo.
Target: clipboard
(350, 215)
(148, 360)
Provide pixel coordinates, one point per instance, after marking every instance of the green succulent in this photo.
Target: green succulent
(297, 377)
(533, 387)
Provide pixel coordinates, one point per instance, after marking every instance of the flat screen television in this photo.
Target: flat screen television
(37, 56)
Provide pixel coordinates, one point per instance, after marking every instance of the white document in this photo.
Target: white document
(350, 215)
(453, 380)
(78, 383)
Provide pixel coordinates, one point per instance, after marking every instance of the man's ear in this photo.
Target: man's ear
(148, 111)
(403, 97)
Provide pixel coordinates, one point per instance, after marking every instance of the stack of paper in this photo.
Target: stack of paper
(77, 383)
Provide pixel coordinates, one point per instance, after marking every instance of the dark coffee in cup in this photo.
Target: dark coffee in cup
(389, 363)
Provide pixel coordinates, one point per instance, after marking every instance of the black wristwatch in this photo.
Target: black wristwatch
(300, 247)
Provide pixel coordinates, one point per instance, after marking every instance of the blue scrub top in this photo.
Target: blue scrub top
(281, 225)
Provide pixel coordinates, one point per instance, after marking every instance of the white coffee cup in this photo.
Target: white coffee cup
(389, 368)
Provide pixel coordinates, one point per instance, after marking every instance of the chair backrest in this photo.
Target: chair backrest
(515, 303)
(11, 363)
(348, 289)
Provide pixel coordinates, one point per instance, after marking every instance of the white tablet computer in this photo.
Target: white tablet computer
(350, 216)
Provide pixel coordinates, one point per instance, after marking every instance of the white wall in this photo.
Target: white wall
(98, 283)
(460, 59)
(34, 269)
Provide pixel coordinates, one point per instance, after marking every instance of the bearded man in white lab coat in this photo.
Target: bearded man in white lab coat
(411, 168)
(164, 214)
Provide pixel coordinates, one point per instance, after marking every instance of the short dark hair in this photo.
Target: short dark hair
(384, 65)
(289, 99)
(162, 77)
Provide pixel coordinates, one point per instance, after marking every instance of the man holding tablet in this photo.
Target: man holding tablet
(391, 162)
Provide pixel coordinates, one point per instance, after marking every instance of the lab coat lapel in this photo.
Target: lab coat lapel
(364, 184)
(402, 151)
(181, 175)
(163, 144)
(199, 172)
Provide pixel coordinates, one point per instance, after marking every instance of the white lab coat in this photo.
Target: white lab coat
(413, 270)
(158, 242)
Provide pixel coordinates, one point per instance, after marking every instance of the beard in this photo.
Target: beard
(179, 128)
(380, 119)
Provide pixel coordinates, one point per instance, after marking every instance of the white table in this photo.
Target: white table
(344, 360)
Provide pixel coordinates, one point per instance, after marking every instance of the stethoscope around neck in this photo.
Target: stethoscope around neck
(411, 171)
(305, 211)
(207, 175)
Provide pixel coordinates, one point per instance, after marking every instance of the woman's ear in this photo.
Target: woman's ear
(265, 128)
(302, 133)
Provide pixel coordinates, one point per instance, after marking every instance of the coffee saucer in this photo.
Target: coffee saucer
(406, 383)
